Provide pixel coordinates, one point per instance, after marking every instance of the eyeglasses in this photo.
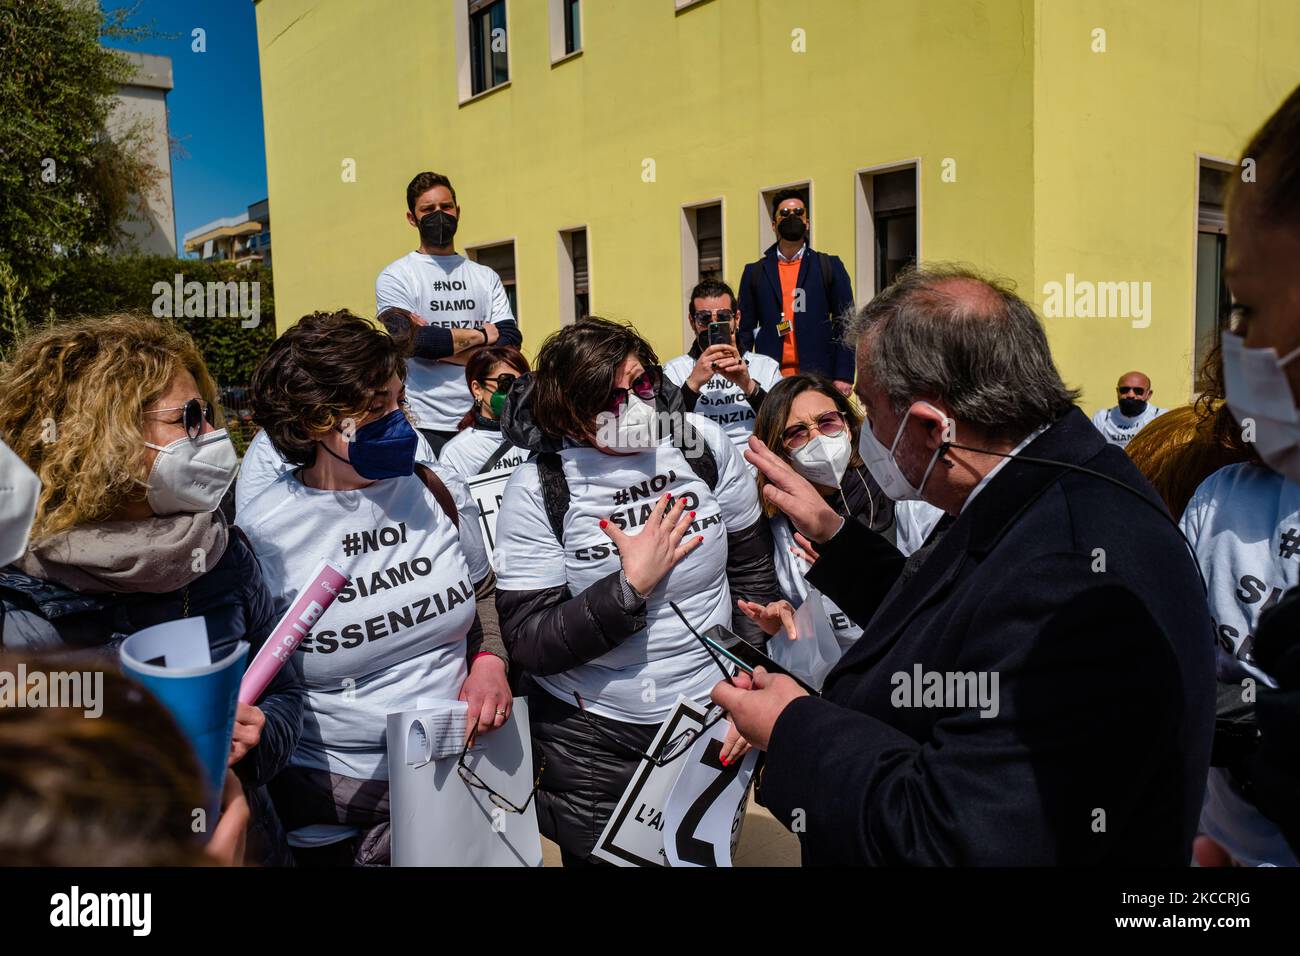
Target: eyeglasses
(194, 413)
(788, 211)
(829, 424)
(703, 316)
(645, 386)
(1125, 389)
(671, 749)
(503, 382)
(498, 800)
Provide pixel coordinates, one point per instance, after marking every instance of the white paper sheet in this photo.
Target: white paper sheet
(634, 834)
(440, 820)
(704, 811)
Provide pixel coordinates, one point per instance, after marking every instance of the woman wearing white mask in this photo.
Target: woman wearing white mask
(117, 418)
(807, 422)
(629, 504)
(1244, 520)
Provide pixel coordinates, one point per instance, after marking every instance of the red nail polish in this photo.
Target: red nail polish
(700, 538)
(603, 522)
(692, 515)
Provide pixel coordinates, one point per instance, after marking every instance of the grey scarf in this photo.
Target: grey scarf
(155, 556)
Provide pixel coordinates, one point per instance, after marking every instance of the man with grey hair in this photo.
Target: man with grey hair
(1096, 747)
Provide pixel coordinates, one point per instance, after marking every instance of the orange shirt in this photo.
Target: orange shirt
(789, 272)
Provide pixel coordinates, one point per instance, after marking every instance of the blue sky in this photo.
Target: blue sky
(215, 107)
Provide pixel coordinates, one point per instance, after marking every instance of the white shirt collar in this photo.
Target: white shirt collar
(794, 258)
(1000, 465)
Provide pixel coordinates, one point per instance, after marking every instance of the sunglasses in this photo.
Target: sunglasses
(829, 424)
(789, 211)
(704, 316)
(503, 382)
(498, 800)
(193, 414)
(645, 386)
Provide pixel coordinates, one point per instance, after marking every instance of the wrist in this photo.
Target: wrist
(483, 329)
(481, 655)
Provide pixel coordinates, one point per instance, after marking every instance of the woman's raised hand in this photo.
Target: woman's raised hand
(648, 556)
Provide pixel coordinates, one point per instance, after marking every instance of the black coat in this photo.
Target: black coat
(1087, 605)
(236, 606)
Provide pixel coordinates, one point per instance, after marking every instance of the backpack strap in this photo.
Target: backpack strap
(439, 491)
(497, 455)
(705, 464)
(555, 491)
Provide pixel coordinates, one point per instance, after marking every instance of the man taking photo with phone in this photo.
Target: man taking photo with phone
(716, 380)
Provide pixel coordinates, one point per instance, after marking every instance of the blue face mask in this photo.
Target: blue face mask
(384, 448)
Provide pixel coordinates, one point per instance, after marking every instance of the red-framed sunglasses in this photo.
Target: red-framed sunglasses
(645, 386)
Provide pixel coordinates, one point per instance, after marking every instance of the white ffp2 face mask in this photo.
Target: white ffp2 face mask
(192, 476)
(883, 466)
(1257, 391)
(20, 490)
(636, 426)
(823, 460)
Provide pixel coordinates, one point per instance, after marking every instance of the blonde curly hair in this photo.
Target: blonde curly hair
(71, 398)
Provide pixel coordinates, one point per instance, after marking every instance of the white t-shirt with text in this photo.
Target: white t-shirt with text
(466, 453)
(721, 399)
(451, 292)
(397, 631)
(638, 681)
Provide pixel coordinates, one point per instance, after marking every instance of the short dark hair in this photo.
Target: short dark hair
(769, 424)
(785, 194)
(991, 366)
(710, 289)
(323, 370)
(1276, 152)
(573, 376)
(422, 183)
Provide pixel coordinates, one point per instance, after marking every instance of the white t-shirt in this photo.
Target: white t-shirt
(450, 292)
(1118, 428)
(638, 681)
(397, 631)
(790, 571)
(721, 399)
(1244, 524)
(913, 522)
(262, 464)
(466, 453)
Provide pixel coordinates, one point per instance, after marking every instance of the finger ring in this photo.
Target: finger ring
(501, 713)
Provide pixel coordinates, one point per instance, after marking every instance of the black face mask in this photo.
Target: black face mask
(792, 228)
(1132, 407)
(437, 228)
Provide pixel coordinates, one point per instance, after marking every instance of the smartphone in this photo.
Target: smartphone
(720, 333)
(746, 656)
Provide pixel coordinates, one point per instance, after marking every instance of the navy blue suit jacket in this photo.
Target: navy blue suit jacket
(1087, 605)
(818, 329)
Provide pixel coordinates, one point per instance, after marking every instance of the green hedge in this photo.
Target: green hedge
(99, 285)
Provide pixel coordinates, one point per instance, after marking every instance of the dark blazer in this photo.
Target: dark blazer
(1087, 605)
(818, 329)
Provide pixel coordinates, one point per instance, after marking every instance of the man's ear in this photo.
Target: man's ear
(410, 217)
(934, 420)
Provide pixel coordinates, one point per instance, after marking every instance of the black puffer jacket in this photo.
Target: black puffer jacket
(551, 630)
(43, 617)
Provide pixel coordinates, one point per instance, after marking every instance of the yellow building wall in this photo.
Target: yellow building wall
(715, 95)
(1116, 138)
(1066, 161)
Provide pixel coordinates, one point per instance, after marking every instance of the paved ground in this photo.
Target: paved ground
(763, 842)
